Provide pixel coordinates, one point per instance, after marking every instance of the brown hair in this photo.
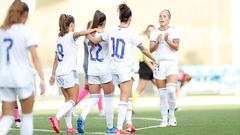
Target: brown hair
(145, 31)
(168, 12)
(89, 24)
(64, 22)
(98, 19)
(15, 13)
(124, 12)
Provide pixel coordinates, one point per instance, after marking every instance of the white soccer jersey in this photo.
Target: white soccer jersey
(66, 49)
(164, 51)
(15, 68)
(121, 40)
(99, 58)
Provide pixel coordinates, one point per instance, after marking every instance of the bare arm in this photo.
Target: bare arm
(154, 45)
(146, 53)
(173, 44)
(93, 39)
(38, 67)
(83, 33)
(55, 64)
(149, 64)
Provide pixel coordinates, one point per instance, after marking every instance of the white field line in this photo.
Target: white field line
(99, 133)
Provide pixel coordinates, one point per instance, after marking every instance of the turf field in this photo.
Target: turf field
(192, 120)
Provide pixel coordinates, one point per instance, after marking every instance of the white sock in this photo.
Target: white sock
(68, 119)
(5, 124)
(129, 112)
(27, 124)
(65, 108)
(171, 88)
(109, 114)
(164, 103)
(122, 113)
(92, 102)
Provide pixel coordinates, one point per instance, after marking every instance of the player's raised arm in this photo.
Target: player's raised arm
(147, 53)
(83, 33)
(93, 39)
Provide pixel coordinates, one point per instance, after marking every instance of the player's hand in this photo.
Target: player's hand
(157, 63)
(166, 35)
(159, 38)
(52, 80)
(42, 87)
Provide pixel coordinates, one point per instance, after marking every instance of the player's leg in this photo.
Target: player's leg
(16, 116)
(125, 92)
(84, 92)
(142, 83)
(100, 103)
(94, 89)
(171, 88)
(161, 85)
(27, 116)
(7, 116)
(108, 89)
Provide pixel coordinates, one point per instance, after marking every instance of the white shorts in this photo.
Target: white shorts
(119, 78)
(92, 79)
(67, 80)
(165, 69)
(11, 94)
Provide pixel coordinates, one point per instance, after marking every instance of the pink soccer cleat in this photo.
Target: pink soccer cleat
(55, 124)
(130, 128)
(121, 131)
(71, 130)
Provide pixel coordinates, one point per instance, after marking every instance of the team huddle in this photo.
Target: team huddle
(108, 62)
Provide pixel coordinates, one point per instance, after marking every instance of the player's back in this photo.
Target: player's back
(121, 40)
(66, 49)
(99, 58)
(15, 69)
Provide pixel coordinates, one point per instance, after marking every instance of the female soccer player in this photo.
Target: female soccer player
(16, 76)
(145, 67)
(64, 68)
(165, 41)
(121, 39)
(84, 92)
(99, 76)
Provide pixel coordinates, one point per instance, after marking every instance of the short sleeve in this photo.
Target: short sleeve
(30, 37)
(136, 40)
(71, 37)
(153, 36)
(105, 35)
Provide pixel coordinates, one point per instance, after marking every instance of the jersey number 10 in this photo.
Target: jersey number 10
(116, 45)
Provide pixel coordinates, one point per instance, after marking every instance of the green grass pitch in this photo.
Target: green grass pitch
(192, 120)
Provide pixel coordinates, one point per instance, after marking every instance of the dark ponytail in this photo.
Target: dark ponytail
(64, 22)
(98, 19)
(124, 12)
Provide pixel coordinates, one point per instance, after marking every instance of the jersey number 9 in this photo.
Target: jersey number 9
(60, 52)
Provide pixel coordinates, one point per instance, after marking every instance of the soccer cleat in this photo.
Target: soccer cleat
(55, 124)
(163, 124)
(130, 128)
(172, 121)
(18, 123)
(121, 131)
(80, 125)
(71, 130)
(111, 130)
